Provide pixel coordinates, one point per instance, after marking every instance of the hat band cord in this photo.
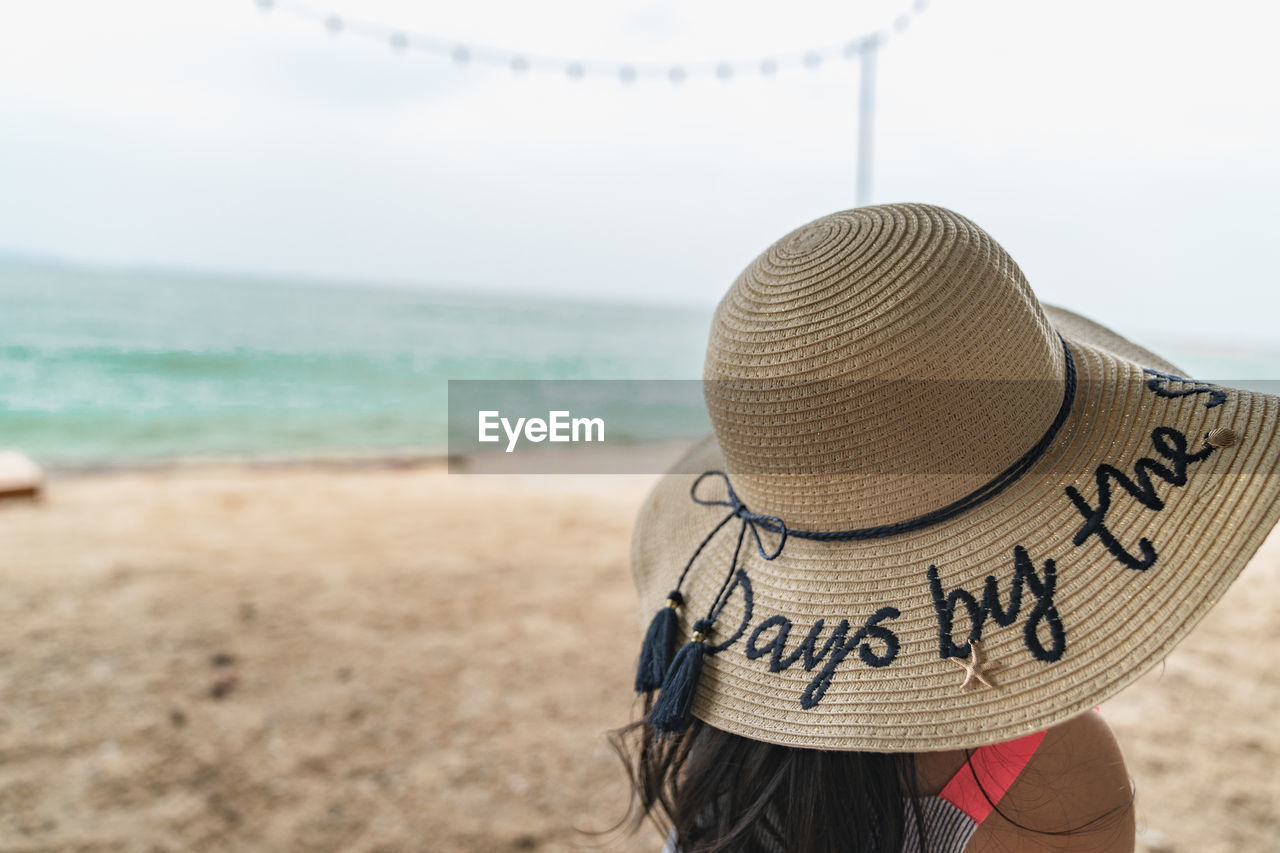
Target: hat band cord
(983, 493)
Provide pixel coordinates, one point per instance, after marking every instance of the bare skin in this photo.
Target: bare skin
(1075, 781)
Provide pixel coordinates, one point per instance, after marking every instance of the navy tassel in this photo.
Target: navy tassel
(659, 645)
(673, 711)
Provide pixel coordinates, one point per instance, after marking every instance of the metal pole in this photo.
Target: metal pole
(866, 117)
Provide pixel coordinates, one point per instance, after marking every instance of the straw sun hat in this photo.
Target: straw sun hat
(940, 514)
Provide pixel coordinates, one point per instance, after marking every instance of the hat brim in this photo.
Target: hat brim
(1114, 621)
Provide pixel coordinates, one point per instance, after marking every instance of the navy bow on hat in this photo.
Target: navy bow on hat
(678, 676)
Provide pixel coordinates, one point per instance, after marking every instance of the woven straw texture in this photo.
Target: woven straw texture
(878, 364)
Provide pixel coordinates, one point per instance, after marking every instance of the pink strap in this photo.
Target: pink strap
(996, 766)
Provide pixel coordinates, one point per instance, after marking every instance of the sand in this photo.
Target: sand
(316, 658)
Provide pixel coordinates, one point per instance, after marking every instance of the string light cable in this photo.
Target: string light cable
(461, 53)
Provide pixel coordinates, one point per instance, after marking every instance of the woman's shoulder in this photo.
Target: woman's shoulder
(1073, 795)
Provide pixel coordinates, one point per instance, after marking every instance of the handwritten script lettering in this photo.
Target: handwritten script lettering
(1029, 596)
(1169, 443)
(839, 645)
(1042, 613)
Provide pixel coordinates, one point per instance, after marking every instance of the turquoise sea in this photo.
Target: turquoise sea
(110, 367)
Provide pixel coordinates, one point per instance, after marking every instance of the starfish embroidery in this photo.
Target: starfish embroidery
(975, 670)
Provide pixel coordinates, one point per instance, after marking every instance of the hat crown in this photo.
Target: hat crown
(877, 364)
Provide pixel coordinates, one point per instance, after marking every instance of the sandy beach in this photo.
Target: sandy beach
(227, 657)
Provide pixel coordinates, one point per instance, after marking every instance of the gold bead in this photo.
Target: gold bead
(1221, 437)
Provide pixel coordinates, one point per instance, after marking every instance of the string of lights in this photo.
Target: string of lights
(520, 62)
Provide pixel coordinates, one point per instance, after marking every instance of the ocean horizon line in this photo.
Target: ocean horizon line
(14, 259)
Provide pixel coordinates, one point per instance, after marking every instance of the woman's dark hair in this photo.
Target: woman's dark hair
(722, 792)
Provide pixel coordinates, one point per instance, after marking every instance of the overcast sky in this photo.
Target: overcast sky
(1125, 153)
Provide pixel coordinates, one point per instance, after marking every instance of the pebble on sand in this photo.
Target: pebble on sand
(19, 476)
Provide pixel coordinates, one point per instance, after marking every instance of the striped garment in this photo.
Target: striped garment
(953, 816)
